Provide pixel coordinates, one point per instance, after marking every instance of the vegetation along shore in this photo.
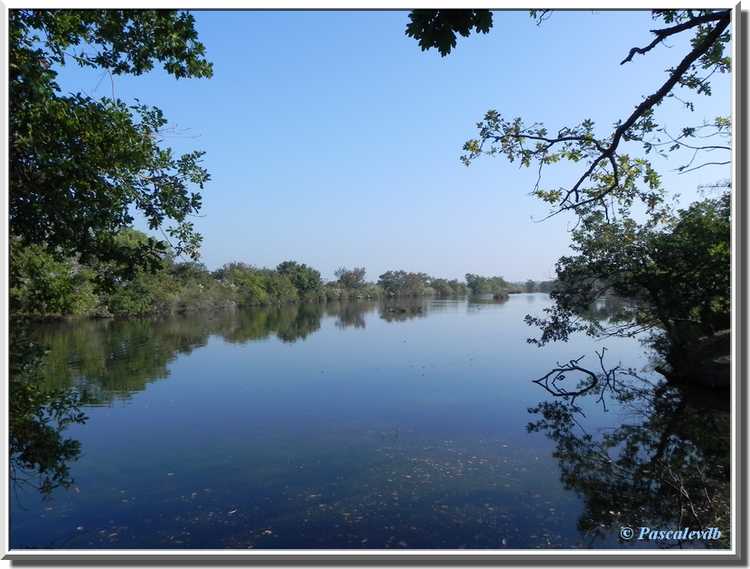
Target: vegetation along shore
(48, 285)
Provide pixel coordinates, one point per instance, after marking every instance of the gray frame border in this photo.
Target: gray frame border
(616, 557)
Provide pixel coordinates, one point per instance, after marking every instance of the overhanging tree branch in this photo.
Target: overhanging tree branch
(649, 103)
(606, 171)
(664, 33)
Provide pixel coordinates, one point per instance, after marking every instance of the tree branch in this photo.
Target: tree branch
(664, 33)
(606, 171)
(648, 103)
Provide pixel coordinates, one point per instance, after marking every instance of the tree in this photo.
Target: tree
(80, 166)
(530, 286)
(678, 277)
(254, 286)
(42, 284)
(609, 176)
(445, 287)
(648, 260)
(486, 285)
(401, 283)
(305, 279)
(351, 279)
(546, 286)
(192, 272)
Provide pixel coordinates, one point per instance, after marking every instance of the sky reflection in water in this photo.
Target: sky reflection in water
(356, 425)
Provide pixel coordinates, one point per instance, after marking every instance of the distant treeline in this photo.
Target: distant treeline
(46, 284)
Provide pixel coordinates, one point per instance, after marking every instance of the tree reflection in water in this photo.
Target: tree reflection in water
(664, 466)
(350, 314)
(400, 310)
(39, 453)
(112, 359)
(56, 367)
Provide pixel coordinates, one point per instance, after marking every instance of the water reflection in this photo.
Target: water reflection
(610, 308)
(350, 314)
(107, 360)
(97, 362)
(663, 464)
(113, 359)
(400, 311)
(289, 323)
(401, 433)
(39, 451)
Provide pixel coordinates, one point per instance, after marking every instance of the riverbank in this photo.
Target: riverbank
(45, 285)
(230, 306)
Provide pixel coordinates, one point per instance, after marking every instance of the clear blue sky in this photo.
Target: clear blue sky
(333, 140)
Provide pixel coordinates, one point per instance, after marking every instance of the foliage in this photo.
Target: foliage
(546, 286)
(146, 293)
(675, 267)
(350, 279)
(402, 283)
(305, 279)
(79, 167)
(486, 285)
(678, 276)
(333, 291)
(41, 284)
(246, 281)
(438, 28)
(445, 287)
(610, 177)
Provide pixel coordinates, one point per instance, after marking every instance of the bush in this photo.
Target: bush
(42, 284)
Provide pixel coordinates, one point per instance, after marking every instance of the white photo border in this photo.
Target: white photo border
(736, 555)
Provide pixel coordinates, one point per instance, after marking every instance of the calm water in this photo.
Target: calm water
(342, 426)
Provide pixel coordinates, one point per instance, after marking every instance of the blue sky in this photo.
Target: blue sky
(331, 139)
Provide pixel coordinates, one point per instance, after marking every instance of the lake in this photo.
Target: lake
(360, 425)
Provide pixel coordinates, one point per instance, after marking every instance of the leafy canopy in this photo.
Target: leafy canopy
(305, 279)
(80, 166)
(351, 278)
(678, 275)
(438, 28)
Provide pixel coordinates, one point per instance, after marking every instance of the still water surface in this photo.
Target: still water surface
(357, 425)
